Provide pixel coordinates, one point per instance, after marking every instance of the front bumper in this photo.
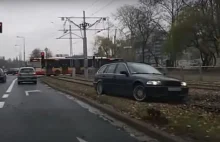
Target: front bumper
(160, 91)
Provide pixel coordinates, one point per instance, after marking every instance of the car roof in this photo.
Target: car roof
(126, 63)
(26, 68)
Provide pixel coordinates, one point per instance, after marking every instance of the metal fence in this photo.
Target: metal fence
(193, 73)
(189, 73)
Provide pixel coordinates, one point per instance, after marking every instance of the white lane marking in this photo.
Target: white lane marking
(2, 104)
(31, 91)
(5, 96)
(11, 86)
(80, 140)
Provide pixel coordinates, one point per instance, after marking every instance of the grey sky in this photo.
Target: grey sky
(38, 22)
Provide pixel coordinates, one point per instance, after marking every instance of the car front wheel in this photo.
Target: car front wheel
(99, 88)
(139, 93)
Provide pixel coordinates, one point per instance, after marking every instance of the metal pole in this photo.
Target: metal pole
(71, 50)
(85, 47)
(46, 53)
(24, 51)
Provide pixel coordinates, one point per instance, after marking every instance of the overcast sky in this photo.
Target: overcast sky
(38, 22)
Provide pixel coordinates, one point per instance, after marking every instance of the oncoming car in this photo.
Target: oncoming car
(27, 74)
(138, 80)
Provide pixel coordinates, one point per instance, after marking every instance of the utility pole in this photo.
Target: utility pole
(86, 72)
(83, 26)
(71, 50)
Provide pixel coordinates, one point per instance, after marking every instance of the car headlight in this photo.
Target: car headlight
(153, 83)
(183, 84)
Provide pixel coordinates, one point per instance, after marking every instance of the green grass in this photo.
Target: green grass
(181, 120)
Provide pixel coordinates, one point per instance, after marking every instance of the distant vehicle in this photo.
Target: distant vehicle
(2, 76)
(27, 74)
(137, 80)
(13, 71)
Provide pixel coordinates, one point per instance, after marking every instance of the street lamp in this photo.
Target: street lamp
(23, 44)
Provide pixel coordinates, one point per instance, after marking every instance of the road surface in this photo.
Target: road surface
(38, 113)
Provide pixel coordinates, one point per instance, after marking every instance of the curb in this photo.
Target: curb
(140, 126)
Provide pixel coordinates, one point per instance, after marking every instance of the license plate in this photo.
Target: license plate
(174, 89)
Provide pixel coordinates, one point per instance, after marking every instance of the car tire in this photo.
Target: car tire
(19, 83)
(99, 88)
(139, 93)
(4, 81)
(35, 82)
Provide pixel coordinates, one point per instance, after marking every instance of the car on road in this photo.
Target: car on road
(3, 77)
(137, 80)
(13, 71)
(27, 74)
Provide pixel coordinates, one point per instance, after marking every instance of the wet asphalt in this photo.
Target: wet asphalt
(38, 113)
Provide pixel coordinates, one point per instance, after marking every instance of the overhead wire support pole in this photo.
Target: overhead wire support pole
(71, 49)
(83, 27)
(86, 73)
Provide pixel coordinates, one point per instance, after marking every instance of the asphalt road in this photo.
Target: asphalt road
(37, 113)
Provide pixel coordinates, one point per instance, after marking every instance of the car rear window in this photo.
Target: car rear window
(111, 68)
(102, 69)
(27, 70)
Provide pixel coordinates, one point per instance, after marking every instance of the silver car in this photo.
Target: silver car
(27, 74)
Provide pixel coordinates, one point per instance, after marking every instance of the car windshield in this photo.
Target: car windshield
(27, 70)
(139, 68)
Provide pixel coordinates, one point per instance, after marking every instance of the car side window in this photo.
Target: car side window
(120, 67)
(111, 68)
(102, 69)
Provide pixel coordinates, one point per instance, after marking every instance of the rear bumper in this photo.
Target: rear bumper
(160, 91)
(27, 79)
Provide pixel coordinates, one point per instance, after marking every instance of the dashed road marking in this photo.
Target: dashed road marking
(2, 104)
(5, 96)
(11, 86)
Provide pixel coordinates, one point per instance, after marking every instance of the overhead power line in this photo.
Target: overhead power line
(109, 3)
(92, 4)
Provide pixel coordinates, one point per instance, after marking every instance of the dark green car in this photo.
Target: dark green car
(27, 74)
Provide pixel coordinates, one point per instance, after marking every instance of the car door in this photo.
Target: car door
(108, 78)
(123, 83)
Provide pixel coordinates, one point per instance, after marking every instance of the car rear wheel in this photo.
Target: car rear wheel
(19, 82)
(99, 88)
(35, 82)
(139, 93)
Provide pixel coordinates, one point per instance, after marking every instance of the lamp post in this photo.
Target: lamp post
(23, 44)
(19, 54)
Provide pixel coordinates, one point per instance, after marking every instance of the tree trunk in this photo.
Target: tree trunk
(143, 54)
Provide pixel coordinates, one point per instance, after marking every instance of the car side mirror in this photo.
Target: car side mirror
(124, 72)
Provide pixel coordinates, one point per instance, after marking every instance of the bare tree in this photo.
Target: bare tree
(141, 23)
(36, 53)
(49, 53)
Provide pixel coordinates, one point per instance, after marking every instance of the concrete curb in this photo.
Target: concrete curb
(139, 125)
